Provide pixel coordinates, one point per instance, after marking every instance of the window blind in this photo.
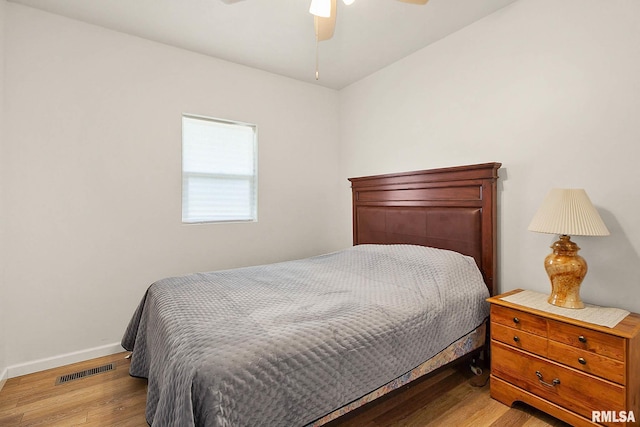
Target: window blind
(219, 165)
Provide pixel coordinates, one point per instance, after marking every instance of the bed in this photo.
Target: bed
(305, 341)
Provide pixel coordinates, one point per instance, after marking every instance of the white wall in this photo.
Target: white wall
(92, 155)
(3, 296)
(550, 89)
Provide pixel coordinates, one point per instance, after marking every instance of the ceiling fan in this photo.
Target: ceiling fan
(324, 13)
(324, 18)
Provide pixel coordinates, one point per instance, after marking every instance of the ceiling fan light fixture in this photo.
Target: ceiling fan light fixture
(321, 8)
(348, 2)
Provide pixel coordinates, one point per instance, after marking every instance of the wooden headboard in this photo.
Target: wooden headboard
(450, 208)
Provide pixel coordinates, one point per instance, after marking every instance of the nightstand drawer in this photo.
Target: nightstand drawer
(586, 361)
(519, 339)
(576, 391)
(589, 340)
(519, 320)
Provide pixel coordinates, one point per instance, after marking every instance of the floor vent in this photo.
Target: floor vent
(86, 373)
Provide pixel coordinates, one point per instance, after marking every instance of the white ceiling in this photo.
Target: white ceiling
(278, 36)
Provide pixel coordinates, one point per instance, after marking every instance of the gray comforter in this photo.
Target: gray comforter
(283, 344)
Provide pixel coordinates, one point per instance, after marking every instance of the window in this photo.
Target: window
(219, 171)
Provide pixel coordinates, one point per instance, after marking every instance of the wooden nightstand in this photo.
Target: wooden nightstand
(565, 367)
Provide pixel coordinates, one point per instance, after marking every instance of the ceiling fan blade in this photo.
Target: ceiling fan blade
(325, 27)
(415, 1)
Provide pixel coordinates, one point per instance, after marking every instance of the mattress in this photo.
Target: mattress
(287, 343)
(472, 341)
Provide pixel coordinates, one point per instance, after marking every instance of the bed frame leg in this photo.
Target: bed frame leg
(479, 366)
(476, 362)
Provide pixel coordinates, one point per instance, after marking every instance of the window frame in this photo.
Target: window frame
(252, 179)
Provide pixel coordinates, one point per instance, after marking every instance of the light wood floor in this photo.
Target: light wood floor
(115, 399)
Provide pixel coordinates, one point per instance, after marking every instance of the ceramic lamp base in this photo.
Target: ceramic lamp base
(566, 270)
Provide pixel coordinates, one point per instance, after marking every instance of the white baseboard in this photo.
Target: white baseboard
(61, 360)
(4, 376)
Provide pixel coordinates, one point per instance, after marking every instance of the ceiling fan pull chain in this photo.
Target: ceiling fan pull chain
(317, 60)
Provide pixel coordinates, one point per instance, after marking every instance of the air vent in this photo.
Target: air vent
(86, 373)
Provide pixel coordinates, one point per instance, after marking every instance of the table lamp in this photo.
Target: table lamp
(567, 212)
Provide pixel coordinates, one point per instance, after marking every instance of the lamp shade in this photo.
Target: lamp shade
(568, 211)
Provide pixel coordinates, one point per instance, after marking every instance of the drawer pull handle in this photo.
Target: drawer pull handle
(516, 339)
(516, 320)
(581, 338)
(553, 383)
(582, 361)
